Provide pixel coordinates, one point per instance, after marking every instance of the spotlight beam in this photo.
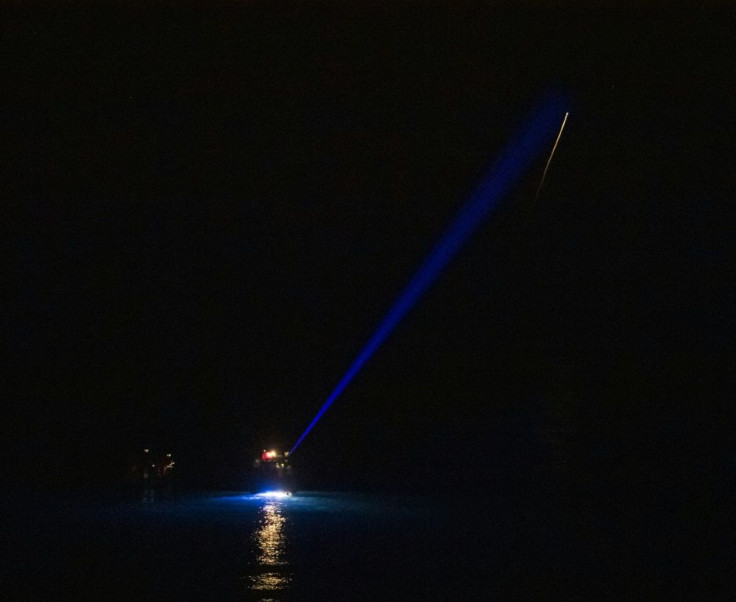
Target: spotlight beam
(503, 174)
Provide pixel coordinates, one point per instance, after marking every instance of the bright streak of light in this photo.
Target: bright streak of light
(519, 154)
(552, 154)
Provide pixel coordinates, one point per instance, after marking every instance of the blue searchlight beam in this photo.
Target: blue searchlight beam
(500, 178)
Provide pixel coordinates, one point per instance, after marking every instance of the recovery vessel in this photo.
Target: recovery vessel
(273, 472)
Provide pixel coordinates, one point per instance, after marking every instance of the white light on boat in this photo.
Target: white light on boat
(274, 494)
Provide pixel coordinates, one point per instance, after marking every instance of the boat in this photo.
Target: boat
(272, 472)
(149, 467)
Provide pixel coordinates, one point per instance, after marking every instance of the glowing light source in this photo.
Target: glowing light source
(519, 155)
(274, 494)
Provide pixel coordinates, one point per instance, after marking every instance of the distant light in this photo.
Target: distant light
(168, 455)
(145, 450)
(274, 494)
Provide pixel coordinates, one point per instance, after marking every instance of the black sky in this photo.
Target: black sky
(209, 208)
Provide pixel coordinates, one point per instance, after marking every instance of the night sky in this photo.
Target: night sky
(210, 207)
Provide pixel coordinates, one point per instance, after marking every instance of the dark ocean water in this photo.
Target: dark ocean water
(320, 546)
(316, 545)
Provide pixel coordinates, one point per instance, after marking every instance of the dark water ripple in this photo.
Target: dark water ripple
(316, 545)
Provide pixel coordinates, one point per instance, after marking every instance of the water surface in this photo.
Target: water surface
(315, 545)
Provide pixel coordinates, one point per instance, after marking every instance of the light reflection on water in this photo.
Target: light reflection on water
(270, 540)
(285, 542)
